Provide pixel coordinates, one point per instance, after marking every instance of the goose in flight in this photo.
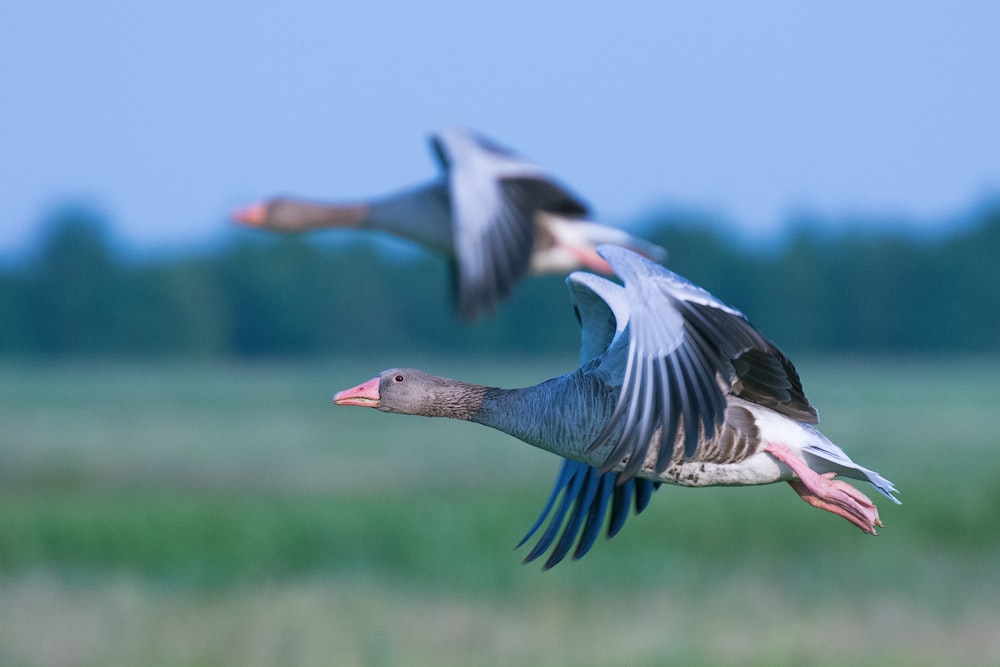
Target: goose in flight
(673, 387)
(496, 215)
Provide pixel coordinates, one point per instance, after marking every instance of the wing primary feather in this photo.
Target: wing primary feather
(545, 541)
(581, 506)
(690, 411)
(620, 502)
(702, 390)
(616, 415)
(709, 403)
(643, 493)
(563, 477)
(714, 413)
(640, 443)
(673, 410)
(595, 515)
(668, 418)
(589, 493)
(622, 445)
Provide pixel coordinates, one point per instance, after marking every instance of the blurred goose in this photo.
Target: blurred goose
(496, 215)
(674, 387)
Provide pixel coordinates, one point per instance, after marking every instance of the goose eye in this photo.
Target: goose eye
(398, 378)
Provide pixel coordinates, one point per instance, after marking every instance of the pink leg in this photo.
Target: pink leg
(826, 493)
(589, 259)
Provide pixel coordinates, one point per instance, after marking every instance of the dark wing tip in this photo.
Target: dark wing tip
(584, 495)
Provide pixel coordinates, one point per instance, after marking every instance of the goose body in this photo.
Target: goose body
(496, 215)
(673, 387)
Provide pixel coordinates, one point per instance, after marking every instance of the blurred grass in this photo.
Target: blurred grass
(213, 514)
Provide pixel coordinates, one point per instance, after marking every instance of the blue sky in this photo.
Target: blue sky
(163, 116)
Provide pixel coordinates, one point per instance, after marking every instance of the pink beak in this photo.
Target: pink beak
(364, 395)
(254, 215)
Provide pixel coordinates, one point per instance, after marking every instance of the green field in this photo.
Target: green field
(210, 514)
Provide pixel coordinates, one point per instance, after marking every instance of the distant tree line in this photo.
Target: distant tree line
(264, 296)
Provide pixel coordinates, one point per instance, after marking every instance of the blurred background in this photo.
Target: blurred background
(175, 487)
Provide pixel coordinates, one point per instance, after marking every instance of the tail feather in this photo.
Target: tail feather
(824, 456)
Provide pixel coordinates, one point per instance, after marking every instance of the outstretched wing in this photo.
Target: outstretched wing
(494, 196)
(686, 350)
(582, 495)
(601, 307)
